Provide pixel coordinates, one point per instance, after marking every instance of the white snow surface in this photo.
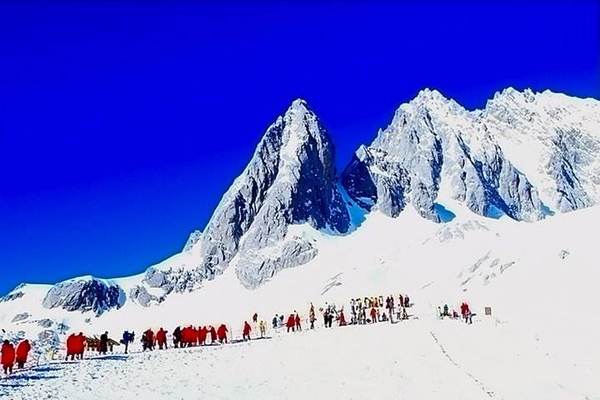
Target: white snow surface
(541, 341)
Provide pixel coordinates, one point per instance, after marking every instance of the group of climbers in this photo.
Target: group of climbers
(465, 313)
(10, 355)
(366, 310)
(359, 308)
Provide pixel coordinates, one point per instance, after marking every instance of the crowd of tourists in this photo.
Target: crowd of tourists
(361, 311)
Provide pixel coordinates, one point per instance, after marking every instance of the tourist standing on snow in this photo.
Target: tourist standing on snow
(103, 347)
(213, 334)
(311, 316)
(263, 328)
(8, 357)
(390, 306)
(161, 338)
(291, 323)
(275, 321)
(127, 338)
(246, 331)
(177, 337)
(342, 318)
(80, 342)
(222, 333)
(22, 352)
(297, 322)
(373, 315)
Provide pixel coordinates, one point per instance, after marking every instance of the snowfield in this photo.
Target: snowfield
(412, 359)
(541, 341)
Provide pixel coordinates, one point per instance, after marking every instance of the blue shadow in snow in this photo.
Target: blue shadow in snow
(444, 214)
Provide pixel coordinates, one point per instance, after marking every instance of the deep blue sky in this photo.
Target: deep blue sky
(121, 125)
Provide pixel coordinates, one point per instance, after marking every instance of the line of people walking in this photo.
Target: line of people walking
(11, 355)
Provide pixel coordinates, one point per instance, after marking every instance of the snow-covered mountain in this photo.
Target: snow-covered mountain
(526, 157)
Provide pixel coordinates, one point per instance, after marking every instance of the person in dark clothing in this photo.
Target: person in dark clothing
(103, 347)
(127, 338)
(177, 337)
(275, 321)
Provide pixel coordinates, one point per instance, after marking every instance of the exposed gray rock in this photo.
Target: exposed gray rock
(192, 240)
(21, 317)
(140, 295)
(85, 294)
(45, 323)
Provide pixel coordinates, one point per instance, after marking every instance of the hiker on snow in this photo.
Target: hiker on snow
(291, 323)
(213, 334)
(202, 332)
(148, 340)
(177, 337)
(311, 316)
(373, 315)
(297, 322)
(275, 321)
(23, 350)
(342, 318)
(80, 342)
(389, 304)
(8, 357)
(127, 338)
(222, 333)
(263, 328)
(103, 347)
(161, 338)
(246, 331)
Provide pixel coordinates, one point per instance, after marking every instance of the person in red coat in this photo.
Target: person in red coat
(213, 335)
(22, 352)
(202, 332)
(161, 338)
(8, 357)
(291, 323)
(246, 331)
(222, 333)
(80, 345)
(342, 318)
(373, 315)
(71, 347)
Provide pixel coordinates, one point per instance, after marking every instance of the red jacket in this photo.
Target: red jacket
(222, 332)
(72, 344)
(202, 334)
(161, 336)
(8, 355)
(213, 333)
(291, 322)
(373, 313)
(247, 328)
(23, 350)
(79, 343)
(342, 319)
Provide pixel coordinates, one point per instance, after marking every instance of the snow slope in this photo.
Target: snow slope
(538, 279)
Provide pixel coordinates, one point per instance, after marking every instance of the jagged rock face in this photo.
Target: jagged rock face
(140, 295)
(84, 295)
(20, 317)
(561, 135)
(192, 240)
(431, 144)
(291, 179)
